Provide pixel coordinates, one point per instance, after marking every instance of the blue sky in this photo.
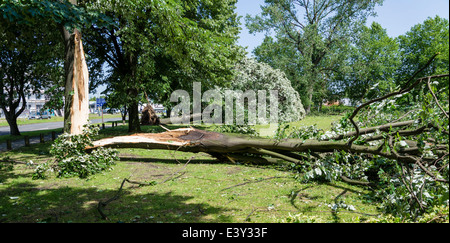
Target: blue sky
(396, 16)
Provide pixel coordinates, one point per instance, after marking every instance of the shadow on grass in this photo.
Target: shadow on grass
(30, 203)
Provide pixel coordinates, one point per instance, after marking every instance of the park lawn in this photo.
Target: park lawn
(201, 191)
(3, 138)
(323, 122)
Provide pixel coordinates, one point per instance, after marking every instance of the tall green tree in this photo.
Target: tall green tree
(317, 30)
(422, 41)
(29, 60)
(285, 58)
(373, 60)
(69, 18)
(158, 46)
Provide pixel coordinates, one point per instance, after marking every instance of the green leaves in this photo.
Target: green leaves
(71, 159)
(373, 63)
(421, 42)
(29, 12)
(312, 41)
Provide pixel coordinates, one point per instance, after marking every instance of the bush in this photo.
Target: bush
(71, 159)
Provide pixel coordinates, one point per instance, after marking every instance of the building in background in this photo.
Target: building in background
(34, 104)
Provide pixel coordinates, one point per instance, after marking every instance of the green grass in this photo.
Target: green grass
(323, 122)
(202, 190)
(3, 138)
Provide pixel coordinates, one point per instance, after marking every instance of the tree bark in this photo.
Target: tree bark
(310, 97)
(133, 112)
(11, 112)
(13, 127)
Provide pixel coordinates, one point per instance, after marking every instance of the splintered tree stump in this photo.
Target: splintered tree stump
(149, 116)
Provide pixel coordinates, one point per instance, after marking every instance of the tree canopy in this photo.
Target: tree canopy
(317, 32)
(156, 47)
(29, 61)
(371, 65)
(425, 39)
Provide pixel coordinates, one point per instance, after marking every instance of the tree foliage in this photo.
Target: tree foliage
(423, 40)
(29, 60)
(318, 31)
(72, 160)
(371, 67)
(159, 46)
(31, 12)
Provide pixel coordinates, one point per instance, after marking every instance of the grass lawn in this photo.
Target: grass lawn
(202, 191)
(322, 122)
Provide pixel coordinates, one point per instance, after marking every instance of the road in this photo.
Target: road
(47, 126)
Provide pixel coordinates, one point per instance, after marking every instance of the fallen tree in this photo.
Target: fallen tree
(224, 146)
(233, 147)
(399, 141)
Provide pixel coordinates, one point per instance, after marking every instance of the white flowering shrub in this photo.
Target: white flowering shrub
(71, 159)
(252, 75)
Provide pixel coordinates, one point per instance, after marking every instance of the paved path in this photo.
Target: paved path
(40, 126)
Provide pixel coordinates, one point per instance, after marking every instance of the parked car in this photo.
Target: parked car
(39, 115)
(45, 115)
(33, 115)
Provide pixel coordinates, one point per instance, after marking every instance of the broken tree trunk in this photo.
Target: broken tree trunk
(236, 147)
(76, 109)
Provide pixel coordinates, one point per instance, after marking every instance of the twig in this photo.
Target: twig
(404, 115)
(340, 195)
(165, 128)
(170, 178)
(435, 98)
(102, 205)
(248, 216)
(385, 127)
(12, 161)
(278, 155)
(354, 182)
